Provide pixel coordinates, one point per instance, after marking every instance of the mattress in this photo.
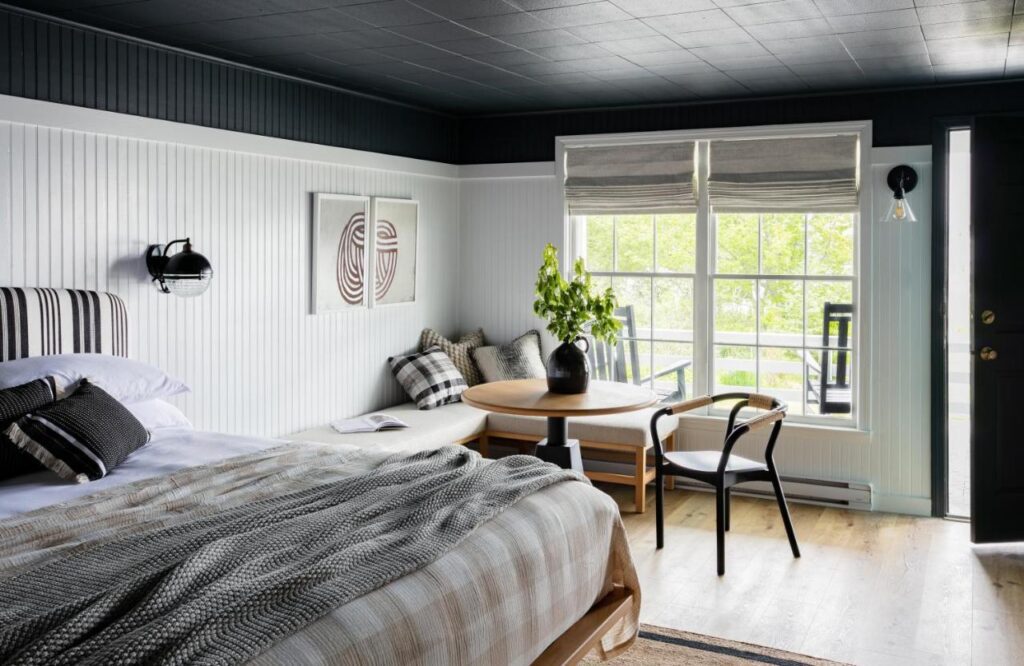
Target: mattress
(500, 596)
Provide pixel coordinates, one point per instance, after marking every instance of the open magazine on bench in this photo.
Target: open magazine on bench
(368, 423)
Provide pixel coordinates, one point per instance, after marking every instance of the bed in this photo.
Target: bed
(543, 581)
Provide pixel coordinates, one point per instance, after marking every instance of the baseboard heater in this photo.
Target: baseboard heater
(842, 494)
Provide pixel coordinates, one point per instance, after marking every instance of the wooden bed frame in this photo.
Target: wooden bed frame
(579, 639)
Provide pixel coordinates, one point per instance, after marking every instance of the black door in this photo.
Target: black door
(997, 223)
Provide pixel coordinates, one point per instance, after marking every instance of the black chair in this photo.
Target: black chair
(608, 362)
(722, 469)
(832, 393)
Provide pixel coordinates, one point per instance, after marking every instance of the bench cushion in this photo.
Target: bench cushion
(428, 429)
(631, 428)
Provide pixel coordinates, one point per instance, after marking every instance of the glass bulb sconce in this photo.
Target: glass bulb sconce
(901, 180)
(184, 274)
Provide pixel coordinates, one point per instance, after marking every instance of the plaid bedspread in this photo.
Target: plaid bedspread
(499, 597)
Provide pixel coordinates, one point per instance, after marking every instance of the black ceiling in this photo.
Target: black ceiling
(484, 56)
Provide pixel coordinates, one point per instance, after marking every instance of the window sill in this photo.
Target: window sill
(852, 434)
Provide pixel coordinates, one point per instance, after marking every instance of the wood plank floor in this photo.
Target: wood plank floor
(871, 588)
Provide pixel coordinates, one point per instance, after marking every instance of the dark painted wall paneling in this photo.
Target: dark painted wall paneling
(52, 61)
(901, 118)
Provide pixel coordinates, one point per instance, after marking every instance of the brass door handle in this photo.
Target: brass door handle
(988, 354)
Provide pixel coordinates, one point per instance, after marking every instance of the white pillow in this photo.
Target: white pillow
(126, 380)
(156, 414)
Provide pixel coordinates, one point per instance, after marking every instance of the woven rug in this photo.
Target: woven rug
(658, 645)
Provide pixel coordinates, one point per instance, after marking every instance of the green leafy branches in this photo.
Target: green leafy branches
(569, 305)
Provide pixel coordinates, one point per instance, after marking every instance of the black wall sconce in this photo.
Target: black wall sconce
(901, 180)
(185, 274)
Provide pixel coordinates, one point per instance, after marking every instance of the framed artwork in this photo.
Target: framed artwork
(341, 254)
(395, 241)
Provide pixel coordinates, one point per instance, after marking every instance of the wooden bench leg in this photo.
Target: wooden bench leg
(484, 443)
(670, 445)
(640, 485)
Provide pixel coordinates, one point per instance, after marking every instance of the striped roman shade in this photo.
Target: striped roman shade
(638, 178)
(42, 322)
(784, 175)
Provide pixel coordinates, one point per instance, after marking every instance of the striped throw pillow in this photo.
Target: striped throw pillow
(81, 437)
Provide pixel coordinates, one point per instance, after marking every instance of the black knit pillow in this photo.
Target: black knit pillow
(82, 437)
(15, 402)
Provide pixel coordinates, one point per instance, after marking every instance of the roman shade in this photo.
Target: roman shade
(794, 175)
(639, 178)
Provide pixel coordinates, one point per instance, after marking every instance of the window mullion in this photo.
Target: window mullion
(702, 306)
(757, 306)
(654, 295)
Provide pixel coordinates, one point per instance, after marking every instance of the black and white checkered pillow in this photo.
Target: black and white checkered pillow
(430, 378)
(82, 437)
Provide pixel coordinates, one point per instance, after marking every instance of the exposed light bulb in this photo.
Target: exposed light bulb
(900, 210)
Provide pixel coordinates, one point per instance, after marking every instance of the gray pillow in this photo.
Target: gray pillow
(519, 359)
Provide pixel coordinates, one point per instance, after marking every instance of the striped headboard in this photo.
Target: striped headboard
(41, 322)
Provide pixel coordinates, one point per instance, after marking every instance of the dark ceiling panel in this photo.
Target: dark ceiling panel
(523, 53)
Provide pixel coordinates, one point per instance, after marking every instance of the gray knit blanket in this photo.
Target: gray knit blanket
(223, 587)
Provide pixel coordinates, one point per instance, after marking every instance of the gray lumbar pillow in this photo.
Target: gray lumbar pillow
(519, 359)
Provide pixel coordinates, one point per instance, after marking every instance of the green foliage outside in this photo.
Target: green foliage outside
(778, 245)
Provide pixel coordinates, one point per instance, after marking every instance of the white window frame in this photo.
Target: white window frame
(703, 306)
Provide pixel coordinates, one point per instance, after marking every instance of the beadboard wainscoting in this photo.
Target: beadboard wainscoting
(78, 208)
(507, 219)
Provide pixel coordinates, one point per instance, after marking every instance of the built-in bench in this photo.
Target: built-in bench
(459, 423)
(456, 423)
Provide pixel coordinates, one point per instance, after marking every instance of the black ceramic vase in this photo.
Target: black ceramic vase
(568, 368)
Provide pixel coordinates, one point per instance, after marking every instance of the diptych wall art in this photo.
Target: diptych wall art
(395, 250)
(340, 252)
(346, 253)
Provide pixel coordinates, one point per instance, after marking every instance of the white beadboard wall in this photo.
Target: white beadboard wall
(78, 209)
(507, 221)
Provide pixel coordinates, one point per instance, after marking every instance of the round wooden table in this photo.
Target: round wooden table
(530, 397)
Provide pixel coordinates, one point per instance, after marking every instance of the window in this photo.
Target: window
(732, 298)
(775, 278)
(650, 262)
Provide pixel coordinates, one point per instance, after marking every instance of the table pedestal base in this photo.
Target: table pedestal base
(565, 455)
(558, 448)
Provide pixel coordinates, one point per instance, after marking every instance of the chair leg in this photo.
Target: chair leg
(670, 445)
(728, 507)
(720, 527)
(639, 485)
(484, 444)
(659, 507)
(784, 509)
